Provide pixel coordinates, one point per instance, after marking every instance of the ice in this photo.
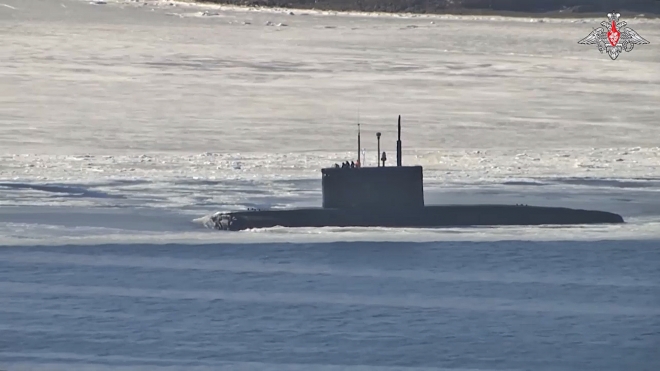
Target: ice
(111, 111)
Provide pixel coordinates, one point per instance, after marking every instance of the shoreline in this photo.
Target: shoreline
(328, 8)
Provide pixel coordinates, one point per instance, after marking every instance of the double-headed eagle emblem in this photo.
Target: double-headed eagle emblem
(613, 37)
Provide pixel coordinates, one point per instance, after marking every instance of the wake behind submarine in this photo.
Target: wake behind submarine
(393, 196)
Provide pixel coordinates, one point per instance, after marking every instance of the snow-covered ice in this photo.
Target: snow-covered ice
(125, 106)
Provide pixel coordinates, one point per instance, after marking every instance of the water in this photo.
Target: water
(443, 305)
(123, 126)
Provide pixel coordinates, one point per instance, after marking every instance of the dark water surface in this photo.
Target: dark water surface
(445, 305)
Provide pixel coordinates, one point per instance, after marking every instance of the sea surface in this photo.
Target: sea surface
(343, 305)
(124, 125)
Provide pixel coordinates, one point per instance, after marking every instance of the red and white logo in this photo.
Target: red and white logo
(613, 37)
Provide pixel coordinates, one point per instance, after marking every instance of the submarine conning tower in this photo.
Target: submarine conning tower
(379, 188)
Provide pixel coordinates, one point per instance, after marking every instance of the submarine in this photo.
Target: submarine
(393, 196)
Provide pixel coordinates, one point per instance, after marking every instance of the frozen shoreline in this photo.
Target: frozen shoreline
(463, 15)
(577, 11)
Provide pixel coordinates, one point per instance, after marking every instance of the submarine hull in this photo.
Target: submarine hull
(424, 217)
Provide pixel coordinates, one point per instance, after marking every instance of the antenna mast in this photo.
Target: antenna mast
(398, 145)
(359, 149)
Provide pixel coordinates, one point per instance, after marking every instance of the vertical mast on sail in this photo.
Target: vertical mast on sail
(398, 145)
(358, 152)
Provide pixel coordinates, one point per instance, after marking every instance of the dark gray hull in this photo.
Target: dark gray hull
(425, 217)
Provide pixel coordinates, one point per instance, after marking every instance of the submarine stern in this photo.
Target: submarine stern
(494, 215)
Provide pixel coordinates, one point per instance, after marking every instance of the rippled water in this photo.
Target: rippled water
(462, 305)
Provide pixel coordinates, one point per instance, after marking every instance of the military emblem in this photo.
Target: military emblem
(613, 37)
